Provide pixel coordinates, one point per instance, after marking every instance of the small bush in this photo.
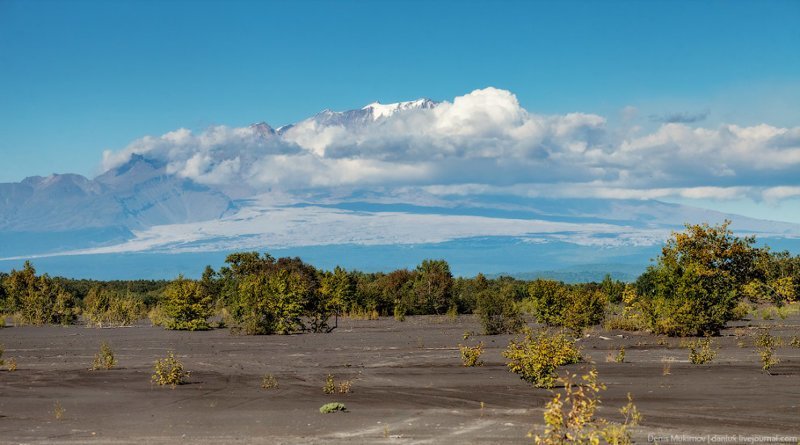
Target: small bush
(795, 343)
(12, 364)
(104, 359)
(269, 382)
(2, 350)
(332, 407)
(169, 371)
(471, 356)
(766, 344)
(345, 387)
(572, 419)
(701, 351)
(498, 311)
(536, 357)
(330, 385)
(58, 410)
(620, 358)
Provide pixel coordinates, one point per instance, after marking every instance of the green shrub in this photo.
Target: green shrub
(272, 303)
(332, 407)
(471, 356)
(698, 280)
(620, 358)
(766, 344)
(330, 385)
(498, 311)
(574, 307)
(107, 307)
(186, 306)
(701, 351)
(105, 358)
(537, 355)
(169, 371)
(38, 300)
(795, 343)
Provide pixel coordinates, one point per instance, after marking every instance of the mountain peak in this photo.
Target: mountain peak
(380, 110)
(262, 128)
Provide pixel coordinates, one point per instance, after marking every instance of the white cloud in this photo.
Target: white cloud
(485, 140)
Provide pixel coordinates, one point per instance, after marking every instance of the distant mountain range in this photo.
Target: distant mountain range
(141, 218)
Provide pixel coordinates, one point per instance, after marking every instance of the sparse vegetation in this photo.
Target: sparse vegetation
(471, 355)
(344, 387)
(795, 342)
(105, 358)
(58, 410)
(332, 407)
(269, 382)
(12, 364)
(330, 385)
(169, 371)
(701, 351)
(620, 358)
(766, 344)
(667, 369)
(573, 420)
(537, 356)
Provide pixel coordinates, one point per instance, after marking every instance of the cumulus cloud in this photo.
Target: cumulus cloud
(486, 141)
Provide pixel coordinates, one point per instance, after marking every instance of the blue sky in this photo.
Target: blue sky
(78, 78)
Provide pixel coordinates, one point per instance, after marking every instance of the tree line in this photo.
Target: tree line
(699, 282)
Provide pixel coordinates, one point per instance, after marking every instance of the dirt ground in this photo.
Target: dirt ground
(408, 387)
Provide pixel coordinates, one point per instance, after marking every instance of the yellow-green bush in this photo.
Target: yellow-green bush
(701, 351)
(169, 371)
(105, 358)
(537, 355)
(471, 355)
(766, 345)
(186, 305)
(573, 420)
(104, 307)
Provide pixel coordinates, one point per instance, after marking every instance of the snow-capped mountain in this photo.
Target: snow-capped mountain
(369, 113)
(242, 188)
